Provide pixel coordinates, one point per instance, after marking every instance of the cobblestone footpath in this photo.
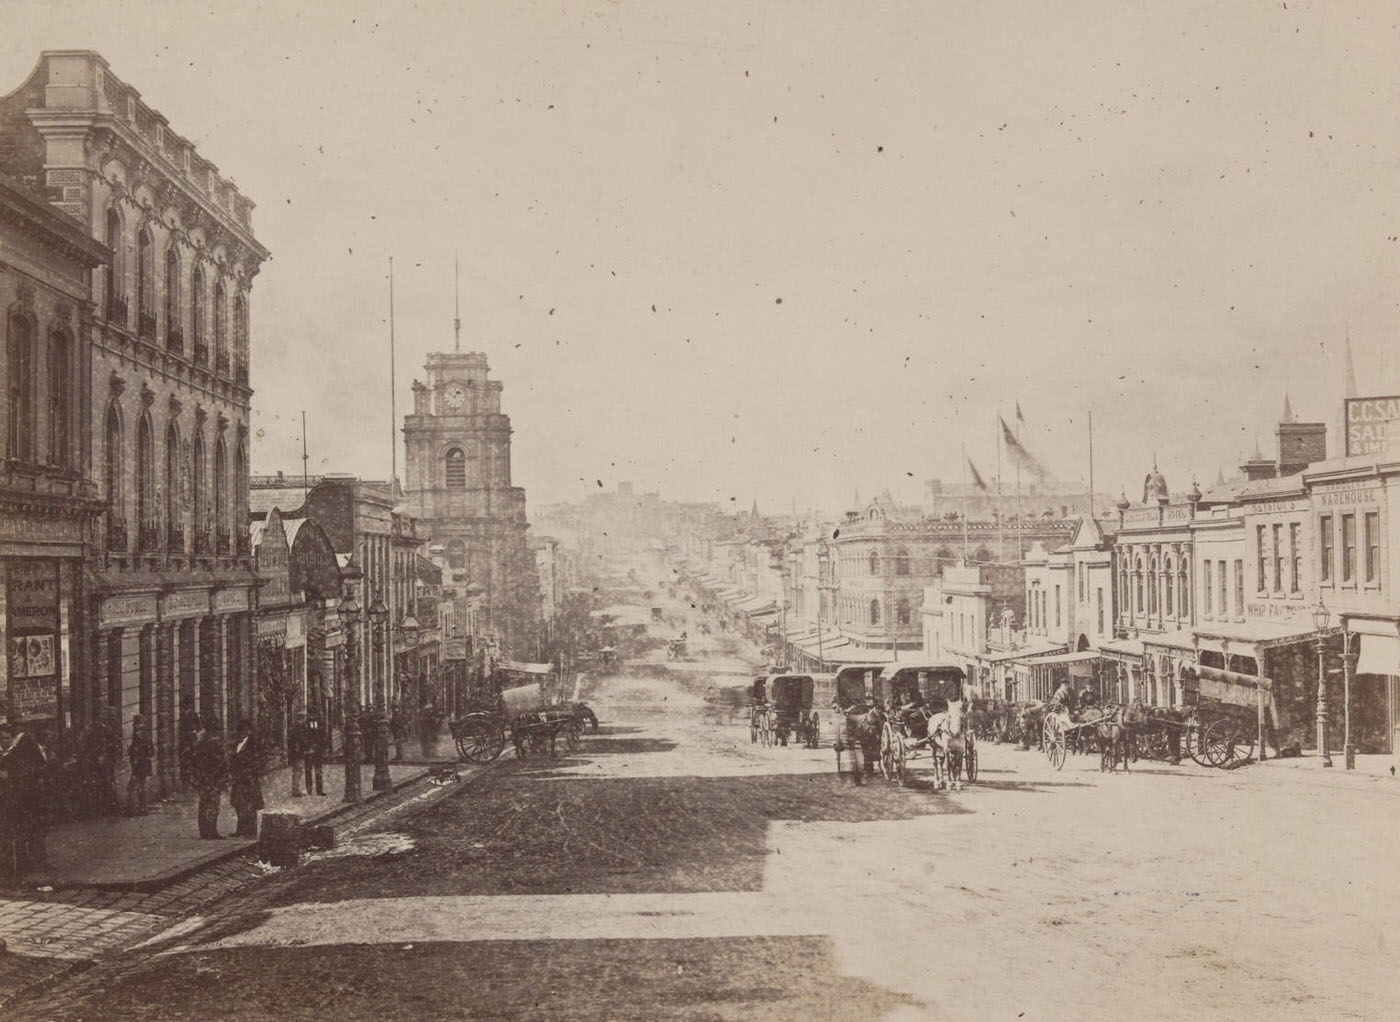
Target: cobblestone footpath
(50, 935)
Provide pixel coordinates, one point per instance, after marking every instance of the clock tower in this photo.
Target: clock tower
(459, 489)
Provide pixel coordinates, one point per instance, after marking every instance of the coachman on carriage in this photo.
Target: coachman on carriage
(792, 709)
(857, 719)
(925, 715)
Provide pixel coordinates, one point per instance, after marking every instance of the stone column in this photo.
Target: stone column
(167, 765)
(210, 654)
(187, 667)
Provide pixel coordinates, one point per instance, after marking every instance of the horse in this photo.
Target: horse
(949, 739)
(1114, 738)
(1030, 717)
(858, 730)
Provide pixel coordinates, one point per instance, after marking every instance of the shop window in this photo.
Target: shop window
(1325, 568)
(1349, 548)
(1373, 546)
(1295, 556)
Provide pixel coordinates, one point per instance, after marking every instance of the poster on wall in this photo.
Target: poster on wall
(31, 647)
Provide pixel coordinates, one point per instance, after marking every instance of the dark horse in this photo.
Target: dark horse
(1114, 738)
(858, 732)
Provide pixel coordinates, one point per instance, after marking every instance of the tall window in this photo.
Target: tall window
(1205, 588)
(1140, 605)
(1349, 548)
(113, 466)
(1373, 546)
(238, 493)
(1185, 589)
(902, 611)
(1169, 594)
(1057, 606)
(173, 333)
(1295, 556)
(22, 388)
(145, 483)
(61, 399)
(220, 514)
(874, 563)
(1278, 558)
(197, 296)
(1098, 603)
(145, 279)
(874, 612)
(174, 531)
(456, 554)
(199, 497)
(1239, 588)
(115, 267)
(901, 561)
(1224, 589)
(1152, 583)
(456, 469)
(220, 324)
(1080, 572)
(1324, 528)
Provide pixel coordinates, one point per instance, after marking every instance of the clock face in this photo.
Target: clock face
(455, 396)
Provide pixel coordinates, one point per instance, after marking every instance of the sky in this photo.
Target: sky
(788, 251)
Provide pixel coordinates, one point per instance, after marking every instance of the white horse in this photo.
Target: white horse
(949, 740)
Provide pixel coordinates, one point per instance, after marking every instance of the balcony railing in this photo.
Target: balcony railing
(116, 534)
(201, 353)
(221, 363)
(175, 341)
(201, 543)
(221, 542)
(148, 539)
(175, 538)
(146, 324)
(116, 309)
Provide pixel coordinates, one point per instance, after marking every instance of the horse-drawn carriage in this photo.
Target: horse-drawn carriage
(530, 707)
(858, 719)
(792, 712)
(925, 715)
(1121, 733)
(760, 713)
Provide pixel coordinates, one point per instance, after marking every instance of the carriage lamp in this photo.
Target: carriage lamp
(1320, 618)
(378, 618)
(349, 612)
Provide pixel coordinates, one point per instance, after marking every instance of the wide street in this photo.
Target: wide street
(671, 869)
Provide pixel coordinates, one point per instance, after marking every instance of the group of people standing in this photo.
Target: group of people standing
(210, 765)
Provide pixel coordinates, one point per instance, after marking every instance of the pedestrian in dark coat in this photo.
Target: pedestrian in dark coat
(296, 752)
(25, 763)
(245, 777)
(140, 752)
(398, 728)
(189, 734)
(210, 775)
(315, 753)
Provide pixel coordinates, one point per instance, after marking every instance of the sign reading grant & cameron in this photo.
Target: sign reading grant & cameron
(1371, 423)
(32, 641)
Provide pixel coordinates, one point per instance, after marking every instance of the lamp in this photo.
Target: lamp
(1321, 617)
(378, 618)
(349, 613)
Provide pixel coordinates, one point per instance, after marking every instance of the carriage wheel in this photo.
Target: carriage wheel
(901, 765)
(480, 741)
(1054, 742)
(887, 752)
(970, 764)
(1226, 741)
(1241, 743)
(1215, 745)
(1195, 745)
(571, 735)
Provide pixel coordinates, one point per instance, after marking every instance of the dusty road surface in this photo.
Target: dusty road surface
(669, 869)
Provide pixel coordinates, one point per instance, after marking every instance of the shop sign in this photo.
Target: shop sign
(1354, 491)
(454, 649)
(231, 599)
(126, 610)
(1369, 422)
(41, 530)
(184, 604)
(272, 626)
(296, 628)
(1274, 609)
(31, 645)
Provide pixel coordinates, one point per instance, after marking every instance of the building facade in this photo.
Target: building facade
(171, 587)
(459, 489)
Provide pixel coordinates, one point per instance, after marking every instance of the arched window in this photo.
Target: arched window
(901, 561)
(238, 490)
(146, 515)
(456, 554)
(220, 508)
(116, 303)
(455, 469)
(240, 335)
(61, 399)
(874, 612)
(1152, 582)
(113, 469)
(197, 313)
(1185, 592)
(22, 387)
(199, 497)
(174, 335)
(902, 611)
(1169, 593)
(145, 283)
(174, 527)
(874, 562)
(220, 328)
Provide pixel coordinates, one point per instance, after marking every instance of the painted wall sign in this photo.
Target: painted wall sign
(1369, 424)
(184, 604)
(32, 596)
(126, 610)
(231, 599)
(42, 530)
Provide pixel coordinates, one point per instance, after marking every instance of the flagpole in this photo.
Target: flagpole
(1001, 503)
(1020, 548)
(1091, 463)
(393, 407)
(964, 501)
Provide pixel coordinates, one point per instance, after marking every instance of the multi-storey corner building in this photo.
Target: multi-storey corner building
(172, 589)
(459, 489)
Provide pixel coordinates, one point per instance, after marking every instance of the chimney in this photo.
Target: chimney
(1300, 444)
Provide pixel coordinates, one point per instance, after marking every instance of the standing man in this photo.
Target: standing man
(245, 773)
(296, 754)
(315, 752)
(140, 752)
(210, 772)
(398, 727)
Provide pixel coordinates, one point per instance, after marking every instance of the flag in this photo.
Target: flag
(977, 479)
(1019, 416)
(1022, 457)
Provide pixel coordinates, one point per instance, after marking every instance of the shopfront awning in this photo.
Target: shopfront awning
(1122, 649)
(1380, 654)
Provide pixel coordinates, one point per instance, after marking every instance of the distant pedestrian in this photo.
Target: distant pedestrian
(296, 753)
(369, 734)
(140, 752)
(210, 774)
(245, 780)
(106, 753)
(189, 734)
(398, 727)
(315, 753)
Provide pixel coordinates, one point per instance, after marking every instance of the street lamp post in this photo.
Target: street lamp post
(1320, 619)
(378, 619)
(349, 614)
(1348, 669)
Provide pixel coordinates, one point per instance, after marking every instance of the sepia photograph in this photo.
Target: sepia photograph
(631, 511)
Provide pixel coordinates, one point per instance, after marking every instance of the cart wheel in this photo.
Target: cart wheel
(970, 765)
(887, 752)
(901, 763)
(1195, 745)
(480, 741)
(1055, 742)
(1215, 745)
(571, 735)
(1226, 742)
(1242, 744)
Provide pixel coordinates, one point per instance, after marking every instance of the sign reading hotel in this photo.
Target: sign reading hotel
(1371, 422)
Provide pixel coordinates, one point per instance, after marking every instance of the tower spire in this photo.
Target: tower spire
(1287, 409)
(1350, 372)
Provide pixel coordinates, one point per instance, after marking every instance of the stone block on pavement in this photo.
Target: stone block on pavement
(281, 838)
